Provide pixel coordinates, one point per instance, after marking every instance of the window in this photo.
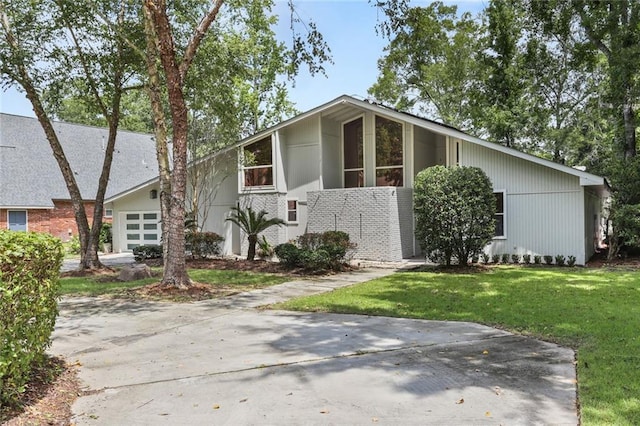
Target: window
(389, 153)
(500, 214)
(258, 163)
(353, 150)
(17, 220)
(292, 211)
(108, 212)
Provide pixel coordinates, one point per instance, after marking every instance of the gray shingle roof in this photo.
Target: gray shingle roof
(30, 176)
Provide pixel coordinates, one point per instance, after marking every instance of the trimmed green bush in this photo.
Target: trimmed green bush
(454, 210)
(495, 258)
(560, 260)
(203, 244)
(526, 258)
(29, 273)
(537, 259)
(571, 260)
(316, 251)
(504, 258)
(548, 259)
(485, 258)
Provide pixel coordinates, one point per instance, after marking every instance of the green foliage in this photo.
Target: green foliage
(526, 258)
(106, 236)
(560, 260)
(203, 244)
(495, 258)
(316, 252)
(151, 251)
(537, 259)
(504, 258)
(252, 224)
(515, 258)
(548, 259)
(571, 260)
(29, 287)
(264, 248)
(74, 245)
(485, 257)
(454, 210)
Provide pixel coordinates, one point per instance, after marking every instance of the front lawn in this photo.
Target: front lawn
(596, 312)
(235, 281)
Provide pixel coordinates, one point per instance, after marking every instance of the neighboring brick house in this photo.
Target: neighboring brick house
(33, 194)
(350, 165)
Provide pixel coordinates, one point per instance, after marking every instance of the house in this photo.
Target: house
(349, 165)
(33, 194)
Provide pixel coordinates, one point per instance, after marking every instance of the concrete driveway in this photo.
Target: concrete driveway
(226, 362)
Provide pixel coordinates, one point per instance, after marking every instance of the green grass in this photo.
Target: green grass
(91, 286)
(596, 312)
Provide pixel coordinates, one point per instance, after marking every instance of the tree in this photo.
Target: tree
(253, 224)
(454, 210)
(49, 46)
(431, 63)
(175, 43)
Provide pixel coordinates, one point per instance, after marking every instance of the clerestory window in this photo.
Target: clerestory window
(258, 163)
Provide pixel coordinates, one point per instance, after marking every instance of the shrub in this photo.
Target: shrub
(571, 260)
(74, 245)
(537, 259)
(151, 251)
(485, 257)
(202, 244)
(289, 254)
(495, 258)
(526, 258)
(454, 211)
(29, 272)
(316, 251)
(106, 237)
(560, 260)
(515, 258)
(548, 259)
(264, 248)
(474, 258)
(505, 258)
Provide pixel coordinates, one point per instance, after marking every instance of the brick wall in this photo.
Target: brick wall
(378, 219)
(59, 221)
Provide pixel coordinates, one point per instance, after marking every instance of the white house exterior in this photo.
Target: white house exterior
(349, 165)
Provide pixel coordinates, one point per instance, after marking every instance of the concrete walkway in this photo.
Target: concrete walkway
(224, 362)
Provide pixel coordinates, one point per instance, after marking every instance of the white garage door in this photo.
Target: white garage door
(141, 228)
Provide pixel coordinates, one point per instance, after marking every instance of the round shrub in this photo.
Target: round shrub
(29, 287)
(288, 254)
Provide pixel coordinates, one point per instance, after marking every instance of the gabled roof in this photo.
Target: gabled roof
(30, 176)
(341, 106)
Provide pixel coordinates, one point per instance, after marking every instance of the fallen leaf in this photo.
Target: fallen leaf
(485, 352)
(460, 401)
(216, 407)
(497, 390)
(244, 400)
(488, 414)
(325, 411)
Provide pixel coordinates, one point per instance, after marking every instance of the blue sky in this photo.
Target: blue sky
(349, 29)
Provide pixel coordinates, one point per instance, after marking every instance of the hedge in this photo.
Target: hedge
(29, 287)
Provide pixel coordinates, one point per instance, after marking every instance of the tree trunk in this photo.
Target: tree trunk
(251, 253)
(175, 272)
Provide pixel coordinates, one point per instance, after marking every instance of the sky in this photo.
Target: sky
(348, 28)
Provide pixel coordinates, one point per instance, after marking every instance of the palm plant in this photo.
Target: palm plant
(252, 223)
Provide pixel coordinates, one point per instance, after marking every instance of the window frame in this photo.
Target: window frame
(357, 169)
(108, 213)
(26, 220)
(402, 142)
(503, 214)
(296, 210)
(259, 166)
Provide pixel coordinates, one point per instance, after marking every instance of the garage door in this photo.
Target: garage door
(142, 228)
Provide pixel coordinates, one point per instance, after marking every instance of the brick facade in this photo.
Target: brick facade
(378, 219)
(59, 221)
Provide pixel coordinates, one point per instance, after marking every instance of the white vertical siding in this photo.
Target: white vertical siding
(331, 154)
(544, 207)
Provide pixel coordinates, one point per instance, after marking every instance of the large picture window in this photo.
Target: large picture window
(258, 163)
(389, 153)
(500, 231)
(353, 154)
